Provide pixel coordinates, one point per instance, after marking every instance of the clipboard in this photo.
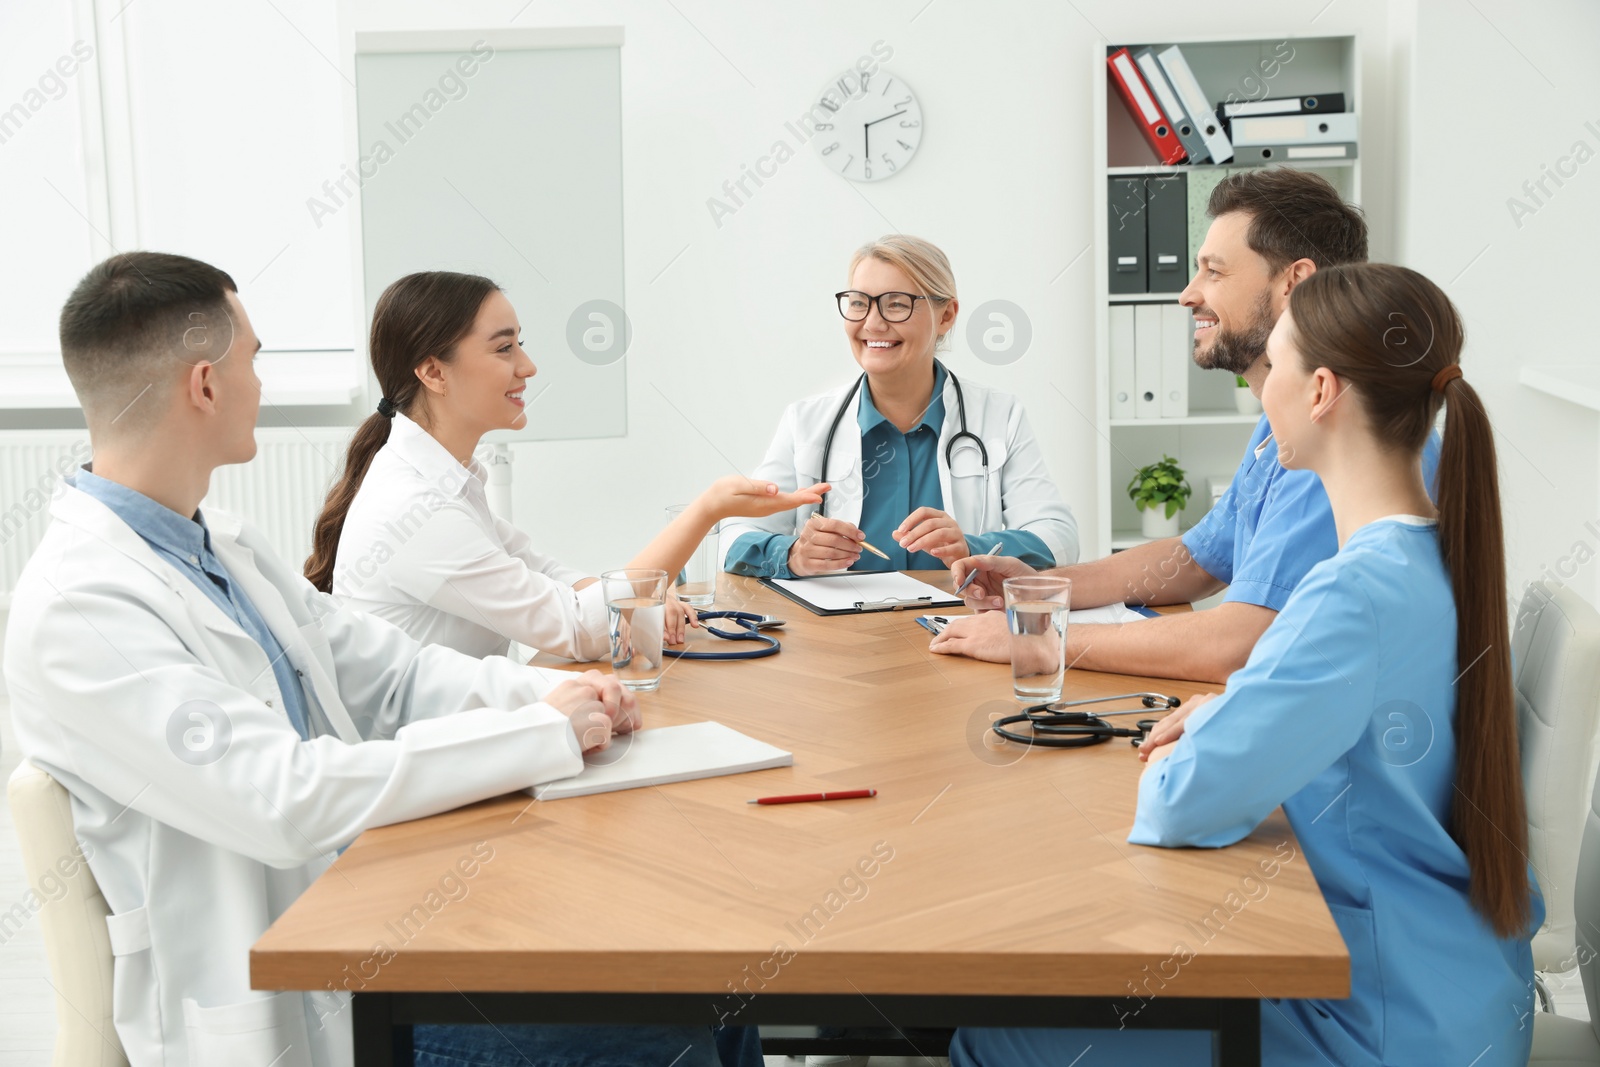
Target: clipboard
(861, 592)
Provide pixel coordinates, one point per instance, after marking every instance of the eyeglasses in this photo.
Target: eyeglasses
(894, 307)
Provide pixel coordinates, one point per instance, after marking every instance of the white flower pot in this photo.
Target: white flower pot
(1154, 523)
(1246, 401)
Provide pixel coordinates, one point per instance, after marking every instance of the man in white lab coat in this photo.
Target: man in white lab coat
(222, 727)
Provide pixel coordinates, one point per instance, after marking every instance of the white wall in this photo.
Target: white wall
(732, 322)
(1494, 101)
(740, 323)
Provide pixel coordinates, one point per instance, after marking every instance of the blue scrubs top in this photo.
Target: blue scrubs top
(1345, 714)
(899, 474)
(1272, 525)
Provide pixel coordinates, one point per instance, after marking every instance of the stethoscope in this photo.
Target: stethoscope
(949, 448)
(750, 627)
(1080, 729)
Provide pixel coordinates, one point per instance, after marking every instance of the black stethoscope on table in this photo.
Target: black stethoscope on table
(750, 627)
(949, 448)
(1053, 727)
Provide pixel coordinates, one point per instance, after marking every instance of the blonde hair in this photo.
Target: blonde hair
(918, 259)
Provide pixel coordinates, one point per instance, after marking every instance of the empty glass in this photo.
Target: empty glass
(696, 584)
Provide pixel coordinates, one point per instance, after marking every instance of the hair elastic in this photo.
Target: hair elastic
(1446, 375)
(386, 407)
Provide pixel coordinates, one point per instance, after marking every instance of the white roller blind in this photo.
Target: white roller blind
(236, 112)
(43, 202)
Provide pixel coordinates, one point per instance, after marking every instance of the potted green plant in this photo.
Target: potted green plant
(1246, 402)
(1160, 491)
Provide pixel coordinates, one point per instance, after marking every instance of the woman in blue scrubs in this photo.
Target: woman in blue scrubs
(1377, 709)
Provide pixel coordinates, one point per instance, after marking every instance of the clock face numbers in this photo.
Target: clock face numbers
(866, 125)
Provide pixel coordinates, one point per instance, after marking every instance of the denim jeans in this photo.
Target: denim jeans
(513, 1045)
(981, 1047)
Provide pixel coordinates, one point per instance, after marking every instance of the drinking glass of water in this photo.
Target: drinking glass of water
(696, 584)
(636, 607)
(1036, 615)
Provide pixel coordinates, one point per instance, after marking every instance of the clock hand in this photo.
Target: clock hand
(866, 129)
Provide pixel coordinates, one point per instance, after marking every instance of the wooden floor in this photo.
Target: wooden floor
(27, 1010)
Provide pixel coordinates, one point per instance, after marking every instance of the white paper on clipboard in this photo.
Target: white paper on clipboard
(868, 589)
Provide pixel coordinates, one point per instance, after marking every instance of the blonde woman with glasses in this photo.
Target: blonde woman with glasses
(924, 467)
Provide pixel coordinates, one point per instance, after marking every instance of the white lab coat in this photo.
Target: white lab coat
(421, 549)
(107, 644)
(1018, 493)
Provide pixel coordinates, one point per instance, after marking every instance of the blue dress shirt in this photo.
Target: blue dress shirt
(186, 544)
(899, 474)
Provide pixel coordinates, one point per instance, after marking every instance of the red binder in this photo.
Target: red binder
(1147, 114)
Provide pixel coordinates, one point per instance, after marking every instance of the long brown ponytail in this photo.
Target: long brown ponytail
(420, 315)
(1388, 332)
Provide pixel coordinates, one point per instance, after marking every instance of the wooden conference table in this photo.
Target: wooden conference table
(983, 885)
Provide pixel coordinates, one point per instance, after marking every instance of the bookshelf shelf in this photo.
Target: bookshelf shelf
(1181, 168)
(1144, 298)
(1194, 418)
(1209, 441)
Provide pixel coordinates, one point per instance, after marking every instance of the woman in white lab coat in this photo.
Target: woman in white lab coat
(406, 534)
(925, 468)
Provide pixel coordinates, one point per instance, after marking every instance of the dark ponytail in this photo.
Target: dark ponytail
(1396, 338)
(420, 315)
(1489, 817)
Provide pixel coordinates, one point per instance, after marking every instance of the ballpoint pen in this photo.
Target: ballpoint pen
(803, 798)
(874, 550)
(970, 576)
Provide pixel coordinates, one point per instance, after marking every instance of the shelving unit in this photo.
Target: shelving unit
(1195, 418)
(1178, 168)
(1210, 440)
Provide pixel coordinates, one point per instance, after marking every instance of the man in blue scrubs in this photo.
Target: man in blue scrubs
(1270, 230)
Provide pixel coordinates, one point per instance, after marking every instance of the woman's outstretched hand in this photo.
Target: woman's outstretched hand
(734, 494)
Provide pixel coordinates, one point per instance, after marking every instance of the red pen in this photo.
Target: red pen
(801, 798)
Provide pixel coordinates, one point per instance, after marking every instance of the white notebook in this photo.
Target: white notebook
(1105, 613)
(864, 591)
(666, 754)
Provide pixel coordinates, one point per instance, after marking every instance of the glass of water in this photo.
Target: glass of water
(636, 607)
(1036, 615)
(696, 584)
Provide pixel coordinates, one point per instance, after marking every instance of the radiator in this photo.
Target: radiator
(280, 491)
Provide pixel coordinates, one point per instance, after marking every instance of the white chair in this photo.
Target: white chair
(72, 918)
(1556, 650)
(1559, 1041)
